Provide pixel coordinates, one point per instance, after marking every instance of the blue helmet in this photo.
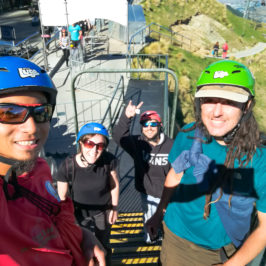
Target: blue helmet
(18, 74)
(93, 128)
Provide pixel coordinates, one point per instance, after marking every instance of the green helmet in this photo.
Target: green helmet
(227, 72)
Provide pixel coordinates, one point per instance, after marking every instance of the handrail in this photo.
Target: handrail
(54, 37)
(108, 110)
(24, 40)
(21, 44)
(127, 71)
(148, 27)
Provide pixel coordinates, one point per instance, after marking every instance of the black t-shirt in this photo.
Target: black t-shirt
(91, 185)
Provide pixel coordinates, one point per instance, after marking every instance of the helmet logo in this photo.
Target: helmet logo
(27, 72)
(220, 74)
(97, 129)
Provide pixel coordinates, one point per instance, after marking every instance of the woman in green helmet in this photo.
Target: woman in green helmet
(217, 176)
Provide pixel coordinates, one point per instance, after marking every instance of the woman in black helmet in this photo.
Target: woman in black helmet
(36, 228)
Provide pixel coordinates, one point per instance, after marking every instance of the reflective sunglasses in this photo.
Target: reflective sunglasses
(151, 124)
(18, 114)
(90, 144)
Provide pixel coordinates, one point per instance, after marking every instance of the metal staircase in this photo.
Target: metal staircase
(128, 247)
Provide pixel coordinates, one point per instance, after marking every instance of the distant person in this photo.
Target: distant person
(149, 151)
(225, 49)
(217, 176)
(65, 44)
(75, 34)
(91, 178)
(216, 49)
(84, 26)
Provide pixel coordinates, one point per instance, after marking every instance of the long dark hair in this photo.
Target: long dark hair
(242, 147)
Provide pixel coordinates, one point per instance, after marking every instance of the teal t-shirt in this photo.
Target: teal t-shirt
(184, 214)
(74, 31)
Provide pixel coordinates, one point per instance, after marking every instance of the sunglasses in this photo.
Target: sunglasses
(90, 145)
(18, 114)
(151, 124)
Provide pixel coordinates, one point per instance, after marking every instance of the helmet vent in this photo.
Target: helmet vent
(236, 71)
(43, 71)
(208, 72)
(3, 69)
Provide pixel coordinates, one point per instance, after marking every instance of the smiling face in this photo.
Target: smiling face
(23, 141)
(92, 154)
(151, 133)
(220, 116)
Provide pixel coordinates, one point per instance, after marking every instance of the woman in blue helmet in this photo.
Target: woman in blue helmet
(36, 228)
(94, 182)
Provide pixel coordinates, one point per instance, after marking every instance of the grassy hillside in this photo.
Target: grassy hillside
(168, 12)
(241, 33)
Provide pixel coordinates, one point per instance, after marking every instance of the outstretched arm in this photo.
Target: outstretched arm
(121, 131)
(171, 182)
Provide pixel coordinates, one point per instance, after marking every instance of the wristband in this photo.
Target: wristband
(114, 208)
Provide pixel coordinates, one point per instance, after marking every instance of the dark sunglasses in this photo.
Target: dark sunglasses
(17, 114)
(151, 124)
(90, 144)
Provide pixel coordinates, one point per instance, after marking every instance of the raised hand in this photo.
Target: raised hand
(131, 109)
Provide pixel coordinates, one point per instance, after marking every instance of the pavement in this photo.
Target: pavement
(258, 48)
(21, 21)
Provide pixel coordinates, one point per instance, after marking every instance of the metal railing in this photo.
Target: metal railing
(144, 61)
(170, 124)
(113, 112)
(54, 39)
(104, 110)
(155, 31)
(24, 48)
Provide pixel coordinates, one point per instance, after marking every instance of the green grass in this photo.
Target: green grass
(188, 66)
(167, 12)
(245, 29)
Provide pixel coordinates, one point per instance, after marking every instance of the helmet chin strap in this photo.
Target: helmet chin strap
(82, 157)
(230, 135)
(10, 162)
(6, 178)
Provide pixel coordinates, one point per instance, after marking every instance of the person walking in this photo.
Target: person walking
(36, 227)
(64, 43)
(149, 152)
(92, 180)
(75, 34)
(216, 49)
(225, 49)
(217, 175)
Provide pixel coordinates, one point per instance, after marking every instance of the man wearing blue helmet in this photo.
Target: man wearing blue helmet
(36, 227)
(92, 180)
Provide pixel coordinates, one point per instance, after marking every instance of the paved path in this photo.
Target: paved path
(259, 47)
(21, 21)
